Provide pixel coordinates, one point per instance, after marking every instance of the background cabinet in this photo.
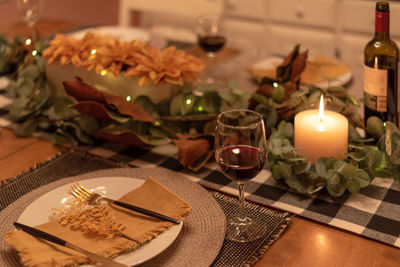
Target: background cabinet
(335, 28)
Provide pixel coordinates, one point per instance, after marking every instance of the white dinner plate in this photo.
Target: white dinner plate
(39, 212)
(273, 62)
(122, 33)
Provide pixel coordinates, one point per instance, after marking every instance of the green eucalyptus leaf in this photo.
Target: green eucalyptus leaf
(320, 167)
(395, 148)
(285, 170)
(302, 168)
(78, 133)
(62, 137)
(227, 95)
(375, 126)
(157, 133)
(259, 98)
(271, 119)
(353, 133)
(278, 93)
(362, 178)
(286, 129)
(27, 128)
(336, 189)
(145, 103)
(176, 103)
(333, 177)
(353, 185)
(61, 109)
(349, 171)
(24, 87)
(87, 123)
(296, 184)
(390, 126)
(31, 72)
(211, 102)
(314, 98)
(276, 171)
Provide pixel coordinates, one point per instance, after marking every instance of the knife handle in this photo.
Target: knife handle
(145, 211)
(39, 233)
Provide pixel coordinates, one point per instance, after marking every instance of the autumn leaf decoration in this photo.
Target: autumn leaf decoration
(287, 80)
(128, 123)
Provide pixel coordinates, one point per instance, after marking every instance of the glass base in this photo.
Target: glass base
(244, 230)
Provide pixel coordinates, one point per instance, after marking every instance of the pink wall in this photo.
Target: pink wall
(89, 12)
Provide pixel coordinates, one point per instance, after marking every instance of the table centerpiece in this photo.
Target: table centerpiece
(86, 111)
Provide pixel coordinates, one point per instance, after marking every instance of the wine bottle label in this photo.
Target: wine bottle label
(375, 88)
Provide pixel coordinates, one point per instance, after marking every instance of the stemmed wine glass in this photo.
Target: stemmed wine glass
(29, 11)
(241, 147)
(210, 37)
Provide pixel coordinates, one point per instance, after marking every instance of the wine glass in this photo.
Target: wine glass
(29, 11)
(210, 37)
(240, 153)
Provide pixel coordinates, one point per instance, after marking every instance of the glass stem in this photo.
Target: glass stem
(241, 215)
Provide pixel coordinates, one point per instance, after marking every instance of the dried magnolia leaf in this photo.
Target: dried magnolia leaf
(84, 92)
(98, 111)
(129, 108)
(189, 151)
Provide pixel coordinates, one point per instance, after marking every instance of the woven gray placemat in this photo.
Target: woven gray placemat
(73, 162)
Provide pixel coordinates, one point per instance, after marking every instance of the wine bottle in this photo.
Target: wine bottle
(381, 59)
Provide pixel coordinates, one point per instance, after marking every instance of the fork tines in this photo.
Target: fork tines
(81, 193)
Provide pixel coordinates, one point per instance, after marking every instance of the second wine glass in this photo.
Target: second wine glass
(240, 144)
(211, 38)
(29, 11)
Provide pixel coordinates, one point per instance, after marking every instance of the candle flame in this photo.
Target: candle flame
(321, 110)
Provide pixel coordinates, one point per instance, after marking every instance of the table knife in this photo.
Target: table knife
(49, 237)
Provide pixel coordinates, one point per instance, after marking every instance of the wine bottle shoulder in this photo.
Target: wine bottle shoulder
(381, 47)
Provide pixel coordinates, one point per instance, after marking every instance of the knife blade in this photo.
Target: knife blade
(54, 239)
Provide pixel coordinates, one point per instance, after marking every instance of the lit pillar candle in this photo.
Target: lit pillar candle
(319, 133)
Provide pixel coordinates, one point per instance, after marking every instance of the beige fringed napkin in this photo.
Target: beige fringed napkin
(151, 195)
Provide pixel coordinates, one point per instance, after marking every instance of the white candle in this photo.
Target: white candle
(319, 133)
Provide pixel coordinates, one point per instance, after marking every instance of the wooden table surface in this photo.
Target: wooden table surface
(304, 243)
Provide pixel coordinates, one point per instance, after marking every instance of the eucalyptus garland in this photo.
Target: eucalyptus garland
(192, 113)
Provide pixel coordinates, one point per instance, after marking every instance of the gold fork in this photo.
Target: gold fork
(93, 198)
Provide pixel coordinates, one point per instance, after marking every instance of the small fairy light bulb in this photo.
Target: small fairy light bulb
(128, 98)
(188, 101)
(28, 41)
(93, 52)
(34, 53)
(275, 84)
(103, 73)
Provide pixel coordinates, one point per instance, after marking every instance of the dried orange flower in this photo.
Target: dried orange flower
(132, 59)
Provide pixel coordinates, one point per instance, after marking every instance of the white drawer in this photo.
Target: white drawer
(281, 40)
(245, 34)
(250, 9)
(359, 16)
(306, 12)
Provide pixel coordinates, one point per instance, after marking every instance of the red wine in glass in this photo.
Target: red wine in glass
(240, 162)
(211, 43)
